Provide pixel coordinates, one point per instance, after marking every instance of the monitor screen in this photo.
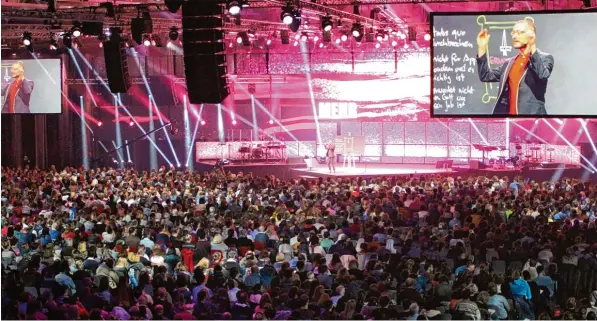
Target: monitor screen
(31, 86)
(514, 65)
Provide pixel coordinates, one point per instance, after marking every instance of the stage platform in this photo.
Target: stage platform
(372, 169)
(367, 170)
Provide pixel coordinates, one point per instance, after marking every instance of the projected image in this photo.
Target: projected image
(31, 86)
(514, 65)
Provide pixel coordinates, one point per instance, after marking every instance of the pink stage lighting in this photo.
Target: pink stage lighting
(344, 37)
(239, 40)
(427, 37)
(271, 121)
(304, 38)
(203, 122)
(99, 123)
(146, 42)
(394, 43)
(338, 41)
(131, 123)
(234, 122)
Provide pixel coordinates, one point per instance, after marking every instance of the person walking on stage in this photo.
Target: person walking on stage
(331, 156)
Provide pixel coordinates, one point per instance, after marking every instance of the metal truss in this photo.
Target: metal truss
(334, 3)
(241, 79)
(95, 81)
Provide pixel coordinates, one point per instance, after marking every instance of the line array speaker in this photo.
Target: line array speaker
(117, 68)
(204, 57)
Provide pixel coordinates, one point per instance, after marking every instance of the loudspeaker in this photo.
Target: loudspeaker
(117, 68)
(204, 57)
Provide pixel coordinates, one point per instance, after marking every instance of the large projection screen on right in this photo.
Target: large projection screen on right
(554, 78)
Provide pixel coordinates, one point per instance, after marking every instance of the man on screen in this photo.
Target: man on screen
(523, 79)
(17, 94)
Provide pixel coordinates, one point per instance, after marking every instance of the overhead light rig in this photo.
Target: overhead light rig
(266, 4)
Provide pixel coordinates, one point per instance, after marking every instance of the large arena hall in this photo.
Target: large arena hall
(298, 160)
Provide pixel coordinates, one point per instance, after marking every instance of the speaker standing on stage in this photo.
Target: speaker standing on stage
(331, 155)
(523, 79)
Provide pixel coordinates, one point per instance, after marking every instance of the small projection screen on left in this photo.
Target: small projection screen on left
(31, 86)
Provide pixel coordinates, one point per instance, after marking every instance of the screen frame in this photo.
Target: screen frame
(62, 75)
(432, 16)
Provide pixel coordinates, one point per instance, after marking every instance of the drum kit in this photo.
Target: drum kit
(262, 151)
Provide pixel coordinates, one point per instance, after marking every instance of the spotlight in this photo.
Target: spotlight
(304, 37)
(394, 43)
(338, 41)
(27, 39)
(357, 31)
(234, 7)
(344, 37)
(326, 23)
(269, 42)
(76, 29)
(315, 39)
(203, 122)
(379, 36)
(287, 15)
(377, 45)
(131, 123)
(67, 40)
(99, 123)
(271, 121)
(244, 38)
(296, 43)
(173, 34)
(146, 41)
(297, 37)
(321, 45)
(405, 46)
(234, 122)
(54, 44)
(427, 37)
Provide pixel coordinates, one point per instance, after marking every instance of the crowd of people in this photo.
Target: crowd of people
(166, 244)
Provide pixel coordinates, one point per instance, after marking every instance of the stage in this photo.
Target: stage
(298, 168)
(372, 169)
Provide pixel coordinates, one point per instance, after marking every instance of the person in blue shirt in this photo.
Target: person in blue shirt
(521, 293)
(201, 280)
(498, 303)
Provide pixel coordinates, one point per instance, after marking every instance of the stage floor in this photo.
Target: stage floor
(372, 170)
